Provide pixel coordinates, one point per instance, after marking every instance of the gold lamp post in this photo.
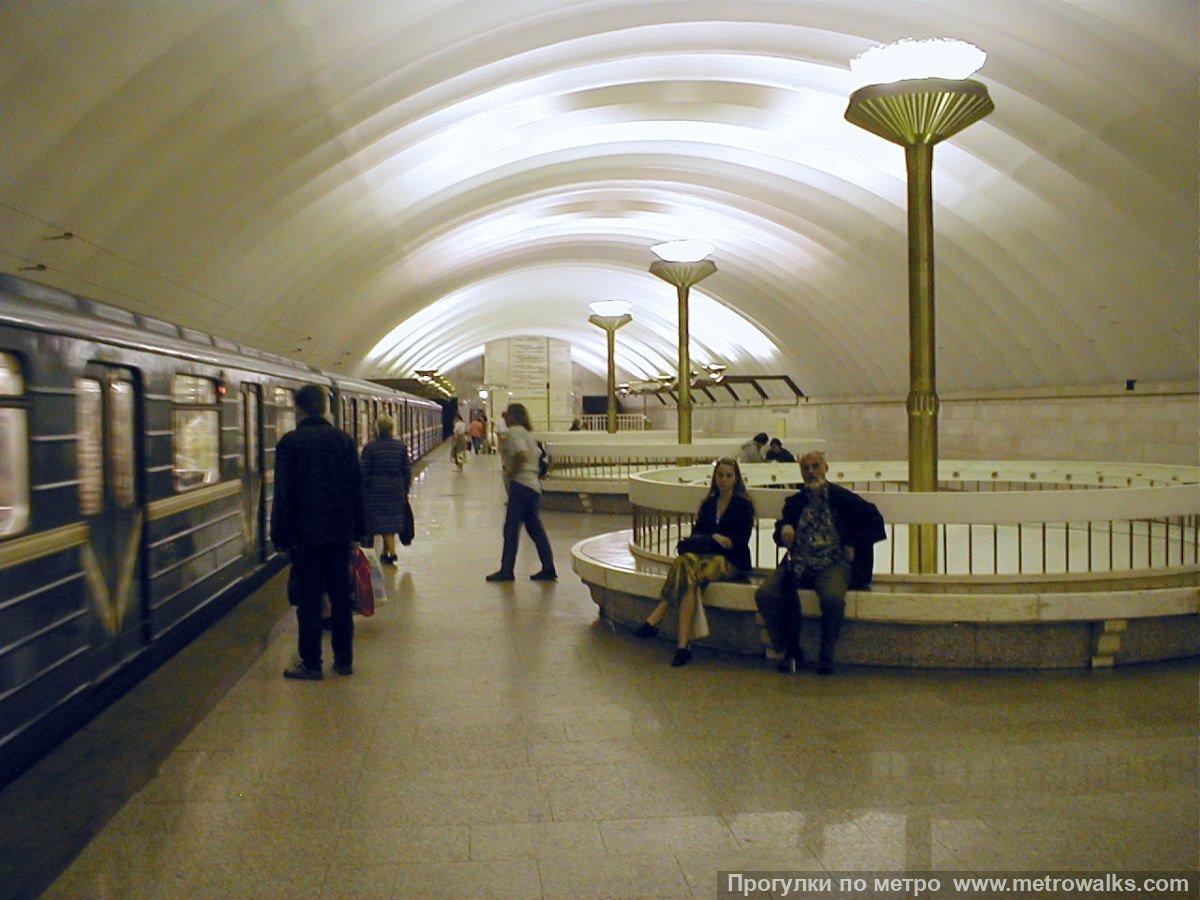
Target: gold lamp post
(611, 315)
(683, 263)
(917, 112)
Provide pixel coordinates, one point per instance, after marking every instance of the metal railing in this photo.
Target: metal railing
(605, 458)
(996, 525)
(625, 422)
(605, 468)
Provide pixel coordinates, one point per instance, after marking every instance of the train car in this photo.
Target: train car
(361, 403)
(136, 461)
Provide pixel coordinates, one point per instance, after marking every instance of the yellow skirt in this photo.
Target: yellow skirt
(692, 570)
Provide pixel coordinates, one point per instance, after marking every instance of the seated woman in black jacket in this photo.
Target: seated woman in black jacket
(727, 518)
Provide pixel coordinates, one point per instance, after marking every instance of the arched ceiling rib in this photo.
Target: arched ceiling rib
(379, 187)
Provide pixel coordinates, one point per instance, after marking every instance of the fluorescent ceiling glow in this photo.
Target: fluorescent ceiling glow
(928, 58)
(552, 299)
(720, 333)
(595, 220)
(572, 108)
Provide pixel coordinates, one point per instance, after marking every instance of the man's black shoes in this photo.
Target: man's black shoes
(301, 672)
(791, 661)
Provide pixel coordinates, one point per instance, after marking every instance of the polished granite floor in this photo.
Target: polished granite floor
(500, 740)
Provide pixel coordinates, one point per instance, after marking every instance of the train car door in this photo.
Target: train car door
(253, 503)
(109, 410)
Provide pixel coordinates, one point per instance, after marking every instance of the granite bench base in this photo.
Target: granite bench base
(906, 628)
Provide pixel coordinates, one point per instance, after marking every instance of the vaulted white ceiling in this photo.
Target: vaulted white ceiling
(380, 186)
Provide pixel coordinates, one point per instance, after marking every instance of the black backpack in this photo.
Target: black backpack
(543, 460)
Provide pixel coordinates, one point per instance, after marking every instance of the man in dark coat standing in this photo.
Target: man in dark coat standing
(316, 518)
(829, 532)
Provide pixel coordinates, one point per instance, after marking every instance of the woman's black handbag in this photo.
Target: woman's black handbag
(699, 543)
(409, 529)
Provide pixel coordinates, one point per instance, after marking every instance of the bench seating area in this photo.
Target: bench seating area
(943, 624)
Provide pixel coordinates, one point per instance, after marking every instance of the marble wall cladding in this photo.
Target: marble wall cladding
(575, 501)
(1151, 427)
(734, 631)
(620, 607)
(1168, 637)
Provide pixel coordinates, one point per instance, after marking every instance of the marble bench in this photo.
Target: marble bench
(941, 623)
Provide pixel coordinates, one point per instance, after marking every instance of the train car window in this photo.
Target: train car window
(196, 423)
(285, 412)
(364, 423)
(121, 435)
(89, 427)
(250, 395)
(14, 453)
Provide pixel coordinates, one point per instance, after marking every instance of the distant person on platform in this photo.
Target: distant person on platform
(776, 452)
(459, 443)
(829, 532)
(519, 455)
(317, 516)
(387, 477)
(476, 431)
(754, 449)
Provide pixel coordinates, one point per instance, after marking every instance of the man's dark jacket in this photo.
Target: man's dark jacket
(318, 487)
(859, 525)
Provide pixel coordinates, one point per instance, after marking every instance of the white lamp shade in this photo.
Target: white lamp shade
(928, 58)
(682, 251)
(614, 308)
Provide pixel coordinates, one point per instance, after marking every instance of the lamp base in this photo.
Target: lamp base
(919, 110)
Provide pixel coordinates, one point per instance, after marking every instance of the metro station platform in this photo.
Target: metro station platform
(504, 741)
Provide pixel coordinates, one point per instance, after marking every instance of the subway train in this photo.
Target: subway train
(136, 464)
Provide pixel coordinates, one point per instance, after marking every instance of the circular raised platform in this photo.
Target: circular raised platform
(1094, 623)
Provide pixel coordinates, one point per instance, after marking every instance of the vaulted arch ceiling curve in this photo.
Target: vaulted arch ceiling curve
(380, 187)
